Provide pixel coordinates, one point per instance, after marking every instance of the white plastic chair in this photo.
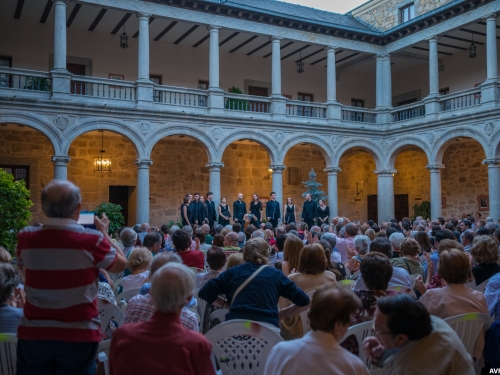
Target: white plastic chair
(355, 275)
(241, 347)
(403, 290)
(103, 355)
(347, 273)
(218, 314)
(127, 295)
(349, 284)
(8, 353)
(108, 311)
(116, 288)
(362, 331)
(202, 304)
(306, 324)
(468, 327)
(482, 287)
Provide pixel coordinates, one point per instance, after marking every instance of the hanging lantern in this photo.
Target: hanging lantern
(472, 49)
(102, 162)
(300, 64)
(124, 39)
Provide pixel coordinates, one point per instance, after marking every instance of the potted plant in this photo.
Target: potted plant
(237, 104)
(114, 214)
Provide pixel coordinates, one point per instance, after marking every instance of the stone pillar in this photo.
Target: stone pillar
(332, 190)
(143, 190)
(61, 78)
(435, 191)
(433, 67)
(144, 85)
(278, 102)
(490, 93)
(214, 170)
(215, 94)
(383, 89)
(385, 195)
(278, 183)
(494, 187)
(60, 166)
(333, 110)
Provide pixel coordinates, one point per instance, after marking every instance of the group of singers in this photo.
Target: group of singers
(197, 210)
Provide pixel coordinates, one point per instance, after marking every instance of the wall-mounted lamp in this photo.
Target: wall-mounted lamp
(358, 192)
(270, 173)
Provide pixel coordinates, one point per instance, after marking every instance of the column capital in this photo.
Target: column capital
(213, 28)
(276, 38)
(433, 39)
(383, 56)
(65, 2)
(492, 162)
(215, 165)
(143, 163)
(143, 15)
(333, 170)
(331, 48)
(490, 17)
(385, 172)
(435, 167)
(60, 159)
(277, 168)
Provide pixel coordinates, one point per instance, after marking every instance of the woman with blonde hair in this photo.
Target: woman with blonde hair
(485, 253)
(138, 263)
(233, 260)
(291, 254)
(253, 289)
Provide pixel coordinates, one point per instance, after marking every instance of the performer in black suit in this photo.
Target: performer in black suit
(273, 212)
(212, 215)
(196, 210)
(309, 211)
(239, 209)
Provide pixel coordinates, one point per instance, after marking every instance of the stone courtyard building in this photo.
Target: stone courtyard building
(387, 103)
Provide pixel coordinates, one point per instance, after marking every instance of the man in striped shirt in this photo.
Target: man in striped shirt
(60, 262)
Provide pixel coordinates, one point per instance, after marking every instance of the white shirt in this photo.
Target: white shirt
(316, 353)
(335, 257)
(134, 281)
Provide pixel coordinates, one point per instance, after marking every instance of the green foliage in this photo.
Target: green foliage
(14, 209)
(312, 187)
(171, 223)
(38, 84)
(422, 209)
(237, 104)
(113, 212)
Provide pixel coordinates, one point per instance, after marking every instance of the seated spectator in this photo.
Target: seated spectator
(332, 239)
(370, 233)
(5, 256)
(423, 241)
(234, 260)
(291, 254)
(218, 240)
(409, 259)
(492, 295)
(426, 346)
(311, 275)
(335, 268)
(280, 246)
(200, 234)
(485, 253)
(105, 287)
(231, 241)
(455, 298)
(134, 346)
(142, 307)
(216, 260)
(153, 241)
(138, 263)
(258, 300)
(241, 239)
(11, 310)
(319, 352)
(248, 231)
(396, 240)
(191, 258)
(361, 245)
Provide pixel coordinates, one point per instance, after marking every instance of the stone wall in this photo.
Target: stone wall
(385, 14)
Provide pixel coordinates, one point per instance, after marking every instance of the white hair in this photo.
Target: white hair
(362, 243)
(396, 239)
(259, 233)
(171, 287)
(128, 236)
(174, 229)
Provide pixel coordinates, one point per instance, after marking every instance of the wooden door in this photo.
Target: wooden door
(120, 195)
(257, 91)
(77, 69)
(401, 208)
(372, 208)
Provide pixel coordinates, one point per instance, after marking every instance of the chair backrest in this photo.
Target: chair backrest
(241, 346)
(117, 286)
(201, 305)
(403, 290)
(8, 353)
(347, 273)
(218, 314)
(468, 327)
(127, 295)
(108, 311)
(103, 355)
(362, 331)
(306, 324)
(482, 287)
(349, 284)
(355, 275)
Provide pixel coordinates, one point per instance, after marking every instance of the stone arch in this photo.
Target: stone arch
(323, 146)
(114, 126)
(368, 146)
(196, 134)
(48, 130)
(262, 139)
(402, 145)
(443, 142)
(496, 145)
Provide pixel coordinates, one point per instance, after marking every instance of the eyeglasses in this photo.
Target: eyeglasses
(376, 333)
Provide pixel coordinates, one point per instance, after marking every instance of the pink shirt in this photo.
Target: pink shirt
(343, 244)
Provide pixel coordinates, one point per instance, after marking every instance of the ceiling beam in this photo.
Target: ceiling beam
(228, 38)
(19, 9)
(151, 19)
(259, 47)
(347, 57)
(121, 23)
(427, 49)
(201, 40)
(484, 24)
(410, 56)
(73, 14)
(358, 60)
(46, 11)
(475, 32)
(244, 43)
(183, 36)
(98, 19)
(282, 47)
(461, 39)
(311, 54)
(324, 58)
(296, 51)
(166, 30)
(452, 46)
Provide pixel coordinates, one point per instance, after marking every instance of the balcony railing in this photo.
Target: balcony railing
(102, 88)
(247, 103)
(461, 99)
(408, 112)
(357, 114)
(22, 79)
(179, 96)
(305, 109)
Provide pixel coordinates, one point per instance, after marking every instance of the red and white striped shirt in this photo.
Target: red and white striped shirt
(62, 261)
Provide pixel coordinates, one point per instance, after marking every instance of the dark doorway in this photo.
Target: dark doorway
(372, 208)
(120, 195)
(77, 69)
(257, 91)
(401, 209)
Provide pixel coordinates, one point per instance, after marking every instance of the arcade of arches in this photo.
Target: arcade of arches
(179, 166)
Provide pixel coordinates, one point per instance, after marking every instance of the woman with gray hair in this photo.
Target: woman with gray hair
(361, 244)
(9, 315)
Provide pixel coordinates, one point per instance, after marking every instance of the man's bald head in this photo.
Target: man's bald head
(144, 227)
(231, 239)
(206, 228)
(61, 199)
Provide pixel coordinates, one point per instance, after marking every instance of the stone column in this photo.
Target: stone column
(60, 166)
(385, 194)
(143, 190)
(214, 171)
(145, 87)
(333, 110)
(333, 191)
(494, 187)
(490, 93)
(278, 102)
(383, 88)
(215, 94)
(435, 191)
(433, 67)
(61, 78)
(278, 183)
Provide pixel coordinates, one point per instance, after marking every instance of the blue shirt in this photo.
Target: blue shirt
(492, 295)
(10, 318)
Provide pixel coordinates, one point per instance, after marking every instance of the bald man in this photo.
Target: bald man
(231, 242)
(239, 209)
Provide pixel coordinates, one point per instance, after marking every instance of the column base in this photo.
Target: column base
(61, 82)
(432, 106)
(144, 92)
(215, 101)
(333, 110)
(278, 107)
(490, 93)
(384, 115)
